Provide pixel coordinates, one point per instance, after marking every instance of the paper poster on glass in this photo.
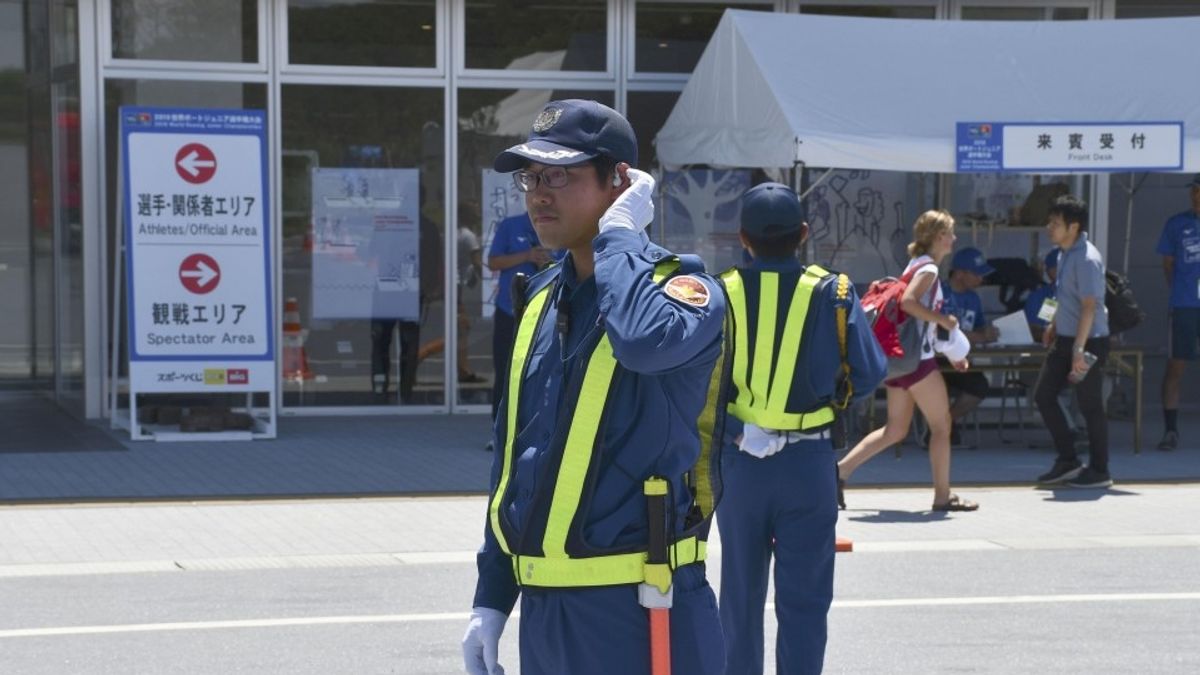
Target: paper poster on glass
(698, 213)
(500, 200)
(366, 244)
(859, 224)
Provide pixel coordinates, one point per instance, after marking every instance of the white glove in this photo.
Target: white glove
(634, 208)
(760, 442)
(481, 644)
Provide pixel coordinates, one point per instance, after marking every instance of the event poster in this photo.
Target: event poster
(366, 244)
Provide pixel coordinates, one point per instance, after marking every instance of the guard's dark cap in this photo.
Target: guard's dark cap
(771, 209)
(971, 260)
(573, 131)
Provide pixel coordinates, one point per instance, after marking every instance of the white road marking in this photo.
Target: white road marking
(463, 616)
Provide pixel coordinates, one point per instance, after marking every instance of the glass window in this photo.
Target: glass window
(1024, 13)
(1147, 9)
(519, 35)
(491, 120)
(648, 112)
(362, 243)
(185, 30)
(390, 33)
(872, 11)
(672, 35)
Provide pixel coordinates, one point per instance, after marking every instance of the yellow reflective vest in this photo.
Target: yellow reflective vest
(560, 566)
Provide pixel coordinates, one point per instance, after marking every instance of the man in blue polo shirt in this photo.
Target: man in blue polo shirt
(967, 271)
(1179, 246)
(515, 250)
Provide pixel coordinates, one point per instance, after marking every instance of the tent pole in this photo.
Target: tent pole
(1130, 191)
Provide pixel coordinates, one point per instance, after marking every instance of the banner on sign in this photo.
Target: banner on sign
(1064, 147)
(500, 200)
(197, 250)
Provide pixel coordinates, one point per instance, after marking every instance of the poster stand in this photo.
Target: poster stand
(197, 267)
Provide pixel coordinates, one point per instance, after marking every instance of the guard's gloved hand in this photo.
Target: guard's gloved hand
(761, 442)
(481, 644)
(634, 208)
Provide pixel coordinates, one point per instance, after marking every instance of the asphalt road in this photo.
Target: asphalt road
(1111, 601)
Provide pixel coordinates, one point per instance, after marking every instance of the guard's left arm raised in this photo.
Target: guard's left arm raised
(868, 365)
(650, 331)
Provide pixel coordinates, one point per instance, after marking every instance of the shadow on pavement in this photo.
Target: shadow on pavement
(1070, 494)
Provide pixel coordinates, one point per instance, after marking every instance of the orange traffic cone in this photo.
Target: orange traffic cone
(295, 360)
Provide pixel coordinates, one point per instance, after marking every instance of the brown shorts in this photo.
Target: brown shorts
(924, 368)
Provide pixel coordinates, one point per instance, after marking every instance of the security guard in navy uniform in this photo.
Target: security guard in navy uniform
(614, 373)
(802, 348)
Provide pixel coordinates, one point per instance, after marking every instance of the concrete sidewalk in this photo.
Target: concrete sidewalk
(48, 456)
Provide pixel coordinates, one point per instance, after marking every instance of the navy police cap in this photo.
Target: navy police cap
(771, 209)
(570, 132)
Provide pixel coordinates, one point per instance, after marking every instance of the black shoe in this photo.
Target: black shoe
(1170, 441)
(1090, 478)
(1061, 472)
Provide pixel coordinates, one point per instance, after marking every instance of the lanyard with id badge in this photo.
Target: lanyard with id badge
(1048, 309)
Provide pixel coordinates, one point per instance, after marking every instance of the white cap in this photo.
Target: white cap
(956, 348)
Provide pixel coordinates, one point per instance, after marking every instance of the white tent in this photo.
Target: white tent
(774, 89)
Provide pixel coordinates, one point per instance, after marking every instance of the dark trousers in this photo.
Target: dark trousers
(381, 355)
(1089, 392)
(782, 507)
(604, 631)
(502, 343)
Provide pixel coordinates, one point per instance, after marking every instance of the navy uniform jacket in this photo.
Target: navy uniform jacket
(666, 349)
(819, 363)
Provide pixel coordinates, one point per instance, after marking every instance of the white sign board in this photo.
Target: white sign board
(1092, 147)
(197, 250)
(366, 244)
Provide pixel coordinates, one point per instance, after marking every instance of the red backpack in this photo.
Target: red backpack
(881, 304)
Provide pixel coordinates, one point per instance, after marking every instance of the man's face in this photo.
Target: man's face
(970, 279)
(1057, 229)
(568, 217)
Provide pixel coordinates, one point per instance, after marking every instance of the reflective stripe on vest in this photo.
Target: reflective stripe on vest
(763, 386)
(556, 567)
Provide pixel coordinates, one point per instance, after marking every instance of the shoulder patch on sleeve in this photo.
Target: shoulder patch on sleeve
(688, 289)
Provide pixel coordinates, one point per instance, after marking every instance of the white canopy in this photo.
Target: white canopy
(772, 89)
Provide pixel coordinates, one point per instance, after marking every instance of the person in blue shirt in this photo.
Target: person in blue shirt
(515, 250)
(968, 268)
(789, 373)
(1038, 296)
(1078, 341)
(611, 384)
(1179, 246)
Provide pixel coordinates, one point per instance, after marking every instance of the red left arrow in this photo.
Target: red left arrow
(195, 163)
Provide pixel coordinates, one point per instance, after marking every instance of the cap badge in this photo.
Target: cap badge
(546, 119)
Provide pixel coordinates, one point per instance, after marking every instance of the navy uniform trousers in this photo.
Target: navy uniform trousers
(785, 505)
(604, 631)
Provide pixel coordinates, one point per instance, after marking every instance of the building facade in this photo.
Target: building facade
(431, 86)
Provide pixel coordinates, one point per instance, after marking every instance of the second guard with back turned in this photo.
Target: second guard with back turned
(802, 348)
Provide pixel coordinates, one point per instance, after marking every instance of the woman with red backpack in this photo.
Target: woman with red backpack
(924, 387)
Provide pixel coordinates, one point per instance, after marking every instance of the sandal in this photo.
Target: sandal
(841, 494)
(956, 503)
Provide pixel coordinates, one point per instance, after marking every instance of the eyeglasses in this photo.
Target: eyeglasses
(552, 177)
